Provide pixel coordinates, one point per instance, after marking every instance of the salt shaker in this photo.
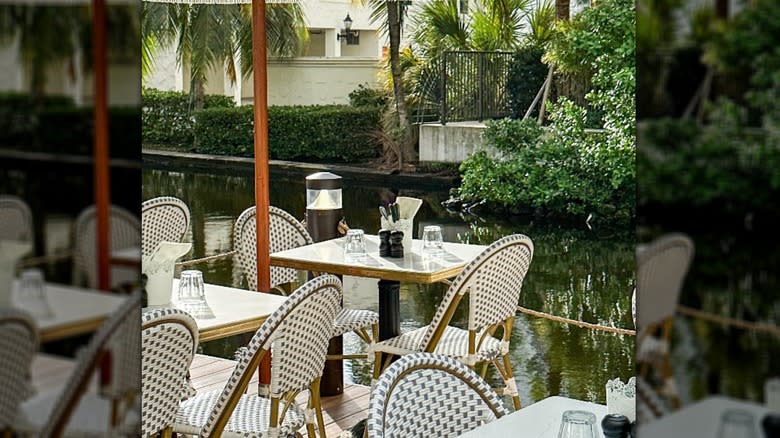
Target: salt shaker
(384, 243)
(396, 244)
(770, 424)
(615, 426)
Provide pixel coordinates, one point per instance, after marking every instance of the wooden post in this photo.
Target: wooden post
(262, 200)
(101, 147)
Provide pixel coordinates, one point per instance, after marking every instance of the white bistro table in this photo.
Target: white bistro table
(236, 310)
(700, 419)
(539, 420)
(76, 310)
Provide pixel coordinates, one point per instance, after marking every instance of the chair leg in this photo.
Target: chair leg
(506, 373)
(316, 404)
(377, 366)
(167, 432)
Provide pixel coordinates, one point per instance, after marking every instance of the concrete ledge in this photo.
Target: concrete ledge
(450, 143)
(170, 160)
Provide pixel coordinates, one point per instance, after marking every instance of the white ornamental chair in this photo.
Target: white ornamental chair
(298, 334)
(286, 232)
(427, 395)
(15, 219)
(169, 339)
(493, 281)
(125, 233)
(163, 219)
(649, 405)
(72, 410)
(661, 269)
(18, 344)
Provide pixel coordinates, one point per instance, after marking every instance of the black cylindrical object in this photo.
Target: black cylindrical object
(615, 426)
(323, 213)
(770, 425)
(384, 243)
(396, 244)
(323, 205)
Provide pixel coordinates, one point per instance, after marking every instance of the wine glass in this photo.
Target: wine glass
(578, 424)
(737, 423)
(192, 295)
(432, 240)
(355, 247)
(31, 295)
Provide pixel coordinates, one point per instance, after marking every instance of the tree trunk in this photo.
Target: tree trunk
(197, 93)
(408, 152)
(722, 8)
(562, 8)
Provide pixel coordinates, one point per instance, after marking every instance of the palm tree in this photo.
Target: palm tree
(210, 36)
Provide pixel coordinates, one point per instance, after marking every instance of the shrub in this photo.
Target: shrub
(333, 132)
(71, 130)
(363, 95)
(18, 116)
(167, 117)
(527, 73)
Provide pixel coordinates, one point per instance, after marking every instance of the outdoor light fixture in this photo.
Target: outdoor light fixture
(323, 205)
(352, 37)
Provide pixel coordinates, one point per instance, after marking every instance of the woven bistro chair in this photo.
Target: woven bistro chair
(18, 343)
(493, 281)
(286, 232)
(71, 411)
(298, 334)
(15, 219)
(661, 269)
(427, 395)
(169, 339)
(163, 219)
(125, 233)
(649, 405)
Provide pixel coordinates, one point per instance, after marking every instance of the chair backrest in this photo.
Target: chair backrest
(18, 343)
(125, 233)
(89, 359)
(660, 272)
(163, 219)
(285, 233)
(15, 219)
(426, 395)
(169, 340)
(493, 280)
(300, 331)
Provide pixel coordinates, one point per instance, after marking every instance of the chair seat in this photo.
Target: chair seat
(454, 342)
(91, 419)
(250, 419)
(651, 349)
(348, 320)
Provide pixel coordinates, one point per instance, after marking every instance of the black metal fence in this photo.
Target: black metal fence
(474, 86)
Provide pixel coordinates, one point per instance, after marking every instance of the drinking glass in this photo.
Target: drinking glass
(31, 295)
(432, 239)
(772, 394)
(578, 424)
(192, 295)
(355, 247)
(737, 423)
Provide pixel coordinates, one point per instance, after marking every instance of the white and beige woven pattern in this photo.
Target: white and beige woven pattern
(287, 233)
(298, 332)
(429, 395)
(493, 281)
(125, 233)
(163, 219)
(18, 343)
(661, 269)
(169, 340)
(15, 219)
(72, 413)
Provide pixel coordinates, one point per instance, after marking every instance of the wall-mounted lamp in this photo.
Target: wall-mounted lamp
(352, 37)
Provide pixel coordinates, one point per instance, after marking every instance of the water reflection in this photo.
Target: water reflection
(575, 274)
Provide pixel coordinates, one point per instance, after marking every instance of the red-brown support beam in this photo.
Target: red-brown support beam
(262, 200)
(101, 147)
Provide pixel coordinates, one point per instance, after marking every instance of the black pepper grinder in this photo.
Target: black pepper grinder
(770, 424)
(384, 243)
(615, 426)
(396, 244)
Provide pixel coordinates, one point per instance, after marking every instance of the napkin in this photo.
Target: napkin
(11, 251)
(158, 268)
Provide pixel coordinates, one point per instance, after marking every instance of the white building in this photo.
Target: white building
(327, 72)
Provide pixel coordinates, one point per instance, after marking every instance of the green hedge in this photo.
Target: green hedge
(70, 130)
(18, 119)
(331, 132)
(167, 117)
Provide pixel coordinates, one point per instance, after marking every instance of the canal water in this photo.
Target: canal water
(579, 274)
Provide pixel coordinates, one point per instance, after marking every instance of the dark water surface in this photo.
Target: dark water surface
(576, 274)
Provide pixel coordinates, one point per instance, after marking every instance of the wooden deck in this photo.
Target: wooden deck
(339, 412)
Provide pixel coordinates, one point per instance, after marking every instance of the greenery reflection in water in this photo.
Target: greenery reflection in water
(575, 274)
